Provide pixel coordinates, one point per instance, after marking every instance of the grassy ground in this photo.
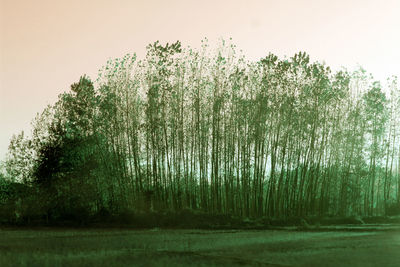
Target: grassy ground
(367, 245)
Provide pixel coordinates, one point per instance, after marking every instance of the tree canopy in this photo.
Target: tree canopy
(209, 130)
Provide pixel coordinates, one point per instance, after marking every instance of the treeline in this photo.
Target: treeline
(209, 130)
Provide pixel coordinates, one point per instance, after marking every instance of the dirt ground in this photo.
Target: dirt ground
(368, 245)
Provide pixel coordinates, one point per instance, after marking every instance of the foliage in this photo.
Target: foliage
(208, 130)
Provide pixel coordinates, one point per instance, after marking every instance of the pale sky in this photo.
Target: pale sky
(46, 46)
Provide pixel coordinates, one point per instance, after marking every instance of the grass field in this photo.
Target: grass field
(368, 245)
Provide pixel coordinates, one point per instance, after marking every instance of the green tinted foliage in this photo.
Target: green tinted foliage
(210, 130)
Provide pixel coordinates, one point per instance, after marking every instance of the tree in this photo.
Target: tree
(376, 117)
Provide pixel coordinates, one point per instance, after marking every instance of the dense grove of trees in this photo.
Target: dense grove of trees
(209, 130)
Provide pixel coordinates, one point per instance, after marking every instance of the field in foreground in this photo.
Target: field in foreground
(367, 245)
